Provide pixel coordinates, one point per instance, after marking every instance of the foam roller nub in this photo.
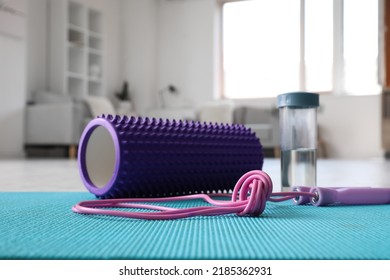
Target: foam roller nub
(122, 156)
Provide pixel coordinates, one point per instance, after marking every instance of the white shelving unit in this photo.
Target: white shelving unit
(76, 49)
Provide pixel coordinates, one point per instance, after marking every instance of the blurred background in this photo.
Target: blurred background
(63, 62)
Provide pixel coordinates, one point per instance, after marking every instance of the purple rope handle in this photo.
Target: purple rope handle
(249, 197)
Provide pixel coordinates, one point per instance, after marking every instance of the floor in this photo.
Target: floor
(62, 175)
(40, 175)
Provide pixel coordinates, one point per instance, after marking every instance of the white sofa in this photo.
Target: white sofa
(55, 121)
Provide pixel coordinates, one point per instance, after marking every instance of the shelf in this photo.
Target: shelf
(94, 34)
(76, 60)
(95, 65)
(95, 58)
(76, 87)
(95, 22)
(76, 37)
(76, 48)
(94, 88)
(95, 80)
(95, 51)
(75, 45)
(95, 43)
(76, 75)
(76, 28)
(76, 14)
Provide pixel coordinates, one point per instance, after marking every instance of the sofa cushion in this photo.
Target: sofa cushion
(99, 105)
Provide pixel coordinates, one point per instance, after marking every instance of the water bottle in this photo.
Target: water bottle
(298, 138)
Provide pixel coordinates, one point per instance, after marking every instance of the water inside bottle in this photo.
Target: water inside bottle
(299, 167)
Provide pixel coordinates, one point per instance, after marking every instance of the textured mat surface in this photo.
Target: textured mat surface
(42, 226)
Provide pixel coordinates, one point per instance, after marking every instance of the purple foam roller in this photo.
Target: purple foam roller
(122, 156)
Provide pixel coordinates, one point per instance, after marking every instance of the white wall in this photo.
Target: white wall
(113, 51)
(37, 47)
(351, 126)
(186, 55)
(12, 85)
(139, 21)
(12, 94)
(169, 42)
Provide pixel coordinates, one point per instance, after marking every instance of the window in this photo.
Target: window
(277, 46)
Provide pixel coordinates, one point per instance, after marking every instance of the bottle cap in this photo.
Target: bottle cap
(299, 100)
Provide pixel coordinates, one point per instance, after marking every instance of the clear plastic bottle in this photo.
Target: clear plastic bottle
(298, 138)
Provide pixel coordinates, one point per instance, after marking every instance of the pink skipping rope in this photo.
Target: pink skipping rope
(249, 197)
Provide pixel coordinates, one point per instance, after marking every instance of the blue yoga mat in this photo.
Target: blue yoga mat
(42, 226)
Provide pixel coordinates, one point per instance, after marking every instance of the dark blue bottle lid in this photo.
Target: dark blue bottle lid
(299, 100)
